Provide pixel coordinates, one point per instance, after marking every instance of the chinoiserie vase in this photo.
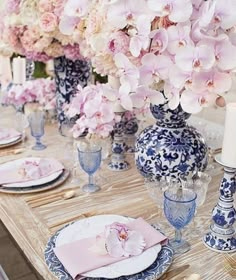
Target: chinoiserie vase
(170, 147)
(118, 162)
(30, 67)
(68, 75)
(130, 130)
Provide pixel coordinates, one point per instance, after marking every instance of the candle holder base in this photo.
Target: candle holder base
(118, 166)
(222, 235)
(221, 243)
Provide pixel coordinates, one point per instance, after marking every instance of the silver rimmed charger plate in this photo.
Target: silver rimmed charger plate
(153, 272)
(39, 188)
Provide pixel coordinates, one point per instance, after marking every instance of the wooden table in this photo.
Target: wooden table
(33, 218)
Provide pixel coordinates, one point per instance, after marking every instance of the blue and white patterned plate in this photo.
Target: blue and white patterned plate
(155, 271)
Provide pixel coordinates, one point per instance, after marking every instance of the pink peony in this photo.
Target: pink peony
(118, 42)
(48, 22)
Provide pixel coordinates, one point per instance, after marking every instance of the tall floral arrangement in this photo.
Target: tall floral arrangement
(184, 48)
(31, 28)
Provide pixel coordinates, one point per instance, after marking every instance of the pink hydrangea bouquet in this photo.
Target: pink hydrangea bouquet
(175, 51)
(42, 91)
(94, 109)
(31, 28)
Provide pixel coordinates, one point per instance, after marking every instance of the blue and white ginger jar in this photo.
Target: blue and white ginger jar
(170, 147)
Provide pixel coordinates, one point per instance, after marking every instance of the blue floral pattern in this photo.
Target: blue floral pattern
(222, 236)
(155, 271)
(68, 74)
(170, 147)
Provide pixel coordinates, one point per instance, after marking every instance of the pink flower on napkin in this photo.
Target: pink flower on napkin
(35, 170)
(121, 241)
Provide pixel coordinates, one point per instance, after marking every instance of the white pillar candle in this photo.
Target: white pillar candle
(5, 70)
(19, 70)
(228, 155)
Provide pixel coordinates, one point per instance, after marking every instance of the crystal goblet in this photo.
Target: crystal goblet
(179, 209)
(90, 157)
(199, 184)
(36, 122)
(156, 189)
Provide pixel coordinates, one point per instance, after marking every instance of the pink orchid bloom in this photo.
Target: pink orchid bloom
(154, 67)
(178, 37)
(172, 8)
(173, 95)
(75, 8)
(195, 58)
(224, 13)
(119, 97)
(223, 50)
(159, 40)
(121, 241)
(68, 24)
(125, 12)
(146, 95)
(192, 102)
(128, 72)
(140, 40)
(179, 78)
(212, 81)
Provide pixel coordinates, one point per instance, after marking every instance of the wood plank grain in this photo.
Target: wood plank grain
(33, 218)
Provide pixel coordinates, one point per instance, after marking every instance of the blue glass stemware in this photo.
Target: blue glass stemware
(90, 159)
(179, 209)
(36, 122)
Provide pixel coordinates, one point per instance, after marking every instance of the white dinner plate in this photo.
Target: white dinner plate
(95, 225)
(17, 163)
(9, 140)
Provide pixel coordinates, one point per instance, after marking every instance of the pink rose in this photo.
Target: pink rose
(48, 22)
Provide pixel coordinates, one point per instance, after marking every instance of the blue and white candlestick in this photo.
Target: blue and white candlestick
(222, 235)
(118, 162)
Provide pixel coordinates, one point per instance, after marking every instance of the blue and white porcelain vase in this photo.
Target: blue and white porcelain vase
(118, 162)
(130, 130)
(170, 147)
(68, 75)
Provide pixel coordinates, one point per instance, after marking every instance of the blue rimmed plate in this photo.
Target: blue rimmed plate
(154, 271)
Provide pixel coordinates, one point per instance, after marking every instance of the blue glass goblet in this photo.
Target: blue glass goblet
(36, 122)
(179, 209)
(90, 159)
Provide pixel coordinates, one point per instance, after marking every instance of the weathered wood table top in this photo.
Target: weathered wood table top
(33, 218)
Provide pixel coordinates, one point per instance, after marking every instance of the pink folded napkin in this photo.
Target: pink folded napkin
(6, 133)
(29, 170)
(77, 257)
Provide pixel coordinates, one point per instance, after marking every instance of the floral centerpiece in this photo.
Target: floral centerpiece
(95, 111)
(41, 91)
(183, 47)
(172, 52)
(31, 28)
